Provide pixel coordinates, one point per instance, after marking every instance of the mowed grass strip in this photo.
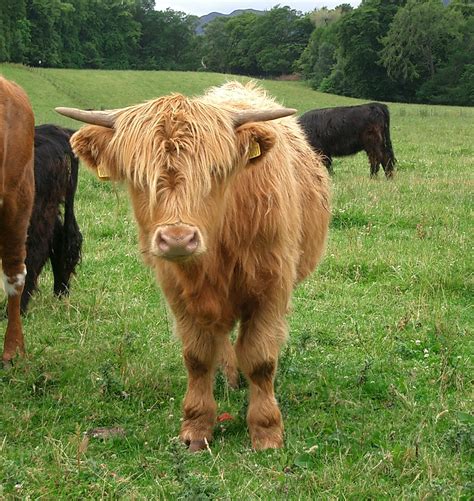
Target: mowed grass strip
(375, 382)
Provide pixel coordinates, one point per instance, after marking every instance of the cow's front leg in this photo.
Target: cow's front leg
(13, 281)
(200, 353)
(257, 349)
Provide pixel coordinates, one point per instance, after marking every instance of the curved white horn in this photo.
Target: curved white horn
(105, 118)
(246, 116)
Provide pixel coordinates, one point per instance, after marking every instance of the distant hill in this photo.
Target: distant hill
(203, 20)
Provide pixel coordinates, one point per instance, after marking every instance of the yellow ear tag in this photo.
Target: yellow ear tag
(254, 150)
(102, 173)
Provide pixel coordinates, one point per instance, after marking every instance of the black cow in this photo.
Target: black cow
(346, 130)
(52, 235)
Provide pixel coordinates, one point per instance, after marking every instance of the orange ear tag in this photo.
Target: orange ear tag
(254, 150)
(102, 173)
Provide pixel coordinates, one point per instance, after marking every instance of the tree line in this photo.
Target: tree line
(395, 50)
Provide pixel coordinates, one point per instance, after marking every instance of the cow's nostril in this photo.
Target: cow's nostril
(174, 241)
(163, 241)
(193, 242)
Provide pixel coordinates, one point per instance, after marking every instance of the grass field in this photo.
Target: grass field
(375, 383)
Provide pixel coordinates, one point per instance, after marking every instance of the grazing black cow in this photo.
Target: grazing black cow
(52, 235)
(346, 130)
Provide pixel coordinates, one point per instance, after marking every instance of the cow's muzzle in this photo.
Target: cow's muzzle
(177, 241)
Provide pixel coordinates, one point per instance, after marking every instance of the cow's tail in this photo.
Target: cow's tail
(72, 237)
(391, 160)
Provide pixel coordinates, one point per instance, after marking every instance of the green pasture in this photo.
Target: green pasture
(376, 380)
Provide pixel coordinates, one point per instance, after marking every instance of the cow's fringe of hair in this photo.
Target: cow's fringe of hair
(166, 134)
(162, 135)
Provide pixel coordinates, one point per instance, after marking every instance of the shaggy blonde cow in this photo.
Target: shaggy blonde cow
(232, 207)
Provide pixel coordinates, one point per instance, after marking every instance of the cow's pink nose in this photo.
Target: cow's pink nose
(177, 241)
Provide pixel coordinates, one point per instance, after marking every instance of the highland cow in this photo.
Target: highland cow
(232, 207)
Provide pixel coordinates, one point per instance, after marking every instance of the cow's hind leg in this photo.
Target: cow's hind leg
(36, 257)
(374, 165)
(57, 258)
(375, 158)
(388, 164)
(65, 253)
(13, 277)
(257, 348)
(201, 350)
(228, 362)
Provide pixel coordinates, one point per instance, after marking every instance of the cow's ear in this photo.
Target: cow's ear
(91, 144)
(255, 140)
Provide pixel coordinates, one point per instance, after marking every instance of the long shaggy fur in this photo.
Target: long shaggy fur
(263, 220)
(53, 231)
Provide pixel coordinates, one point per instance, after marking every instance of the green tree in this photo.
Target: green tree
(216, 46)
(119, 33)
(168, 41)
(45, 46)
(453, 81)
(241, 57)
(227, 44)
(319, 56)
(358, 71)
(323, 17)
(14, 31)
(279, 39)
(464, 7)
(256, 44)
(418, 40)
(68, 27)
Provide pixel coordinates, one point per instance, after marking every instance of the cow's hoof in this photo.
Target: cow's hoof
(196, 438)
(7, 364)
(262, 444)
(197, 445)
(267, 438)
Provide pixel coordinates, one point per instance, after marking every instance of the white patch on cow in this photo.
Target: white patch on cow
(12, 284)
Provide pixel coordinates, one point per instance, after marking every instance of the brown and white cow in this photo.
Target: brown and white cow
(16, 201)
(232, 211)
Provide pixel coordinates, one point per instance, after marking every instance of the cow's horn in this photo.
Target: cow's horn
(246, 116)
(105, 118)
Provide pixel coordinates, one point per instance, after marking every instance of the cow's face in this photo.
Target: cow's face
(178, 158)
